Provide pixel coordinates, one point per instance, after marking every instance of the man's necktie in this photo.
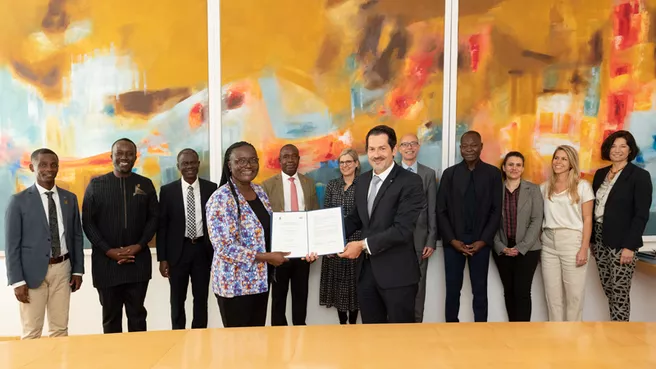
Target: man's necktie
(191, 213)
(411, 169)
(375, 181)
(54, 226)
(294, 194)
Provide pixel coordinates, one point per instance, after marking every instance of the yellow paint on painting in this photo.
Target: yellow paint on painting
(643, 98)
(258, 35)
(620, 82)
(151, 168)
(160, 36)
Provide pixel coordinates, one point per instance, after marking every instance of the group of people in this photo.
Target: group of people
(220, 235)
(557, 224)
(394, 214)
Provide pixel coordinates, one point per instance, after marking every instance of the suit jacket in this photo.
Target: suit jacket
(172, 220)
(389, 231)
(627, 207)
(426, 231)
(530, 211)
(27, 236)
(450, 202)
(236, 241)
(274, 189)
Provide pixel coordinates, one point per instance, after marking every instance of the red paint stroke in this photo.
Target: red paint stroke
(626, 24)
(474, 43)
(196, 116)
(400, 104)
(311, 151)
(619, 104)
(607, 133)
(234, 99)
(417, 72)
(620, 70)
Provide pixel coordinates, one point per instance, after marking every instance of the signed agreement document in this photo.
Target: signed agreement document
(304, 232)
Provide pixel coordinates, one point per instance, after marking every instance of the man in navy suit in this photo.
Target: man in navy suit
(388, 201)
(43, 238)
(184, 250)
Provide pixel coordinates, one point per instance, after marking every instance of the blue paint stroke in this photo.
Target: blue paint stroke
(292, 126)
(593, 94)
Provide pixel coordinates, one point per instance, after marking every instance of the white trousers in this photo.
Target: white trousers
(54, 294)
(564, 282)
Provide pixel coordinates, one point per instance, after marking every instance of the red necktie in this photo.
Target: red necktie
(294, 194)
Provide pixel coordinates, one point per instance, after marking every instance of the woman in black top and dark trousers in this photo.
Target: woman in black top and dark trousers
(623, 195)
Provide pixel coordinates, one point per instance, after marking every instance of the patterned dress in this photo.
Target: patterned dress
(337, 286)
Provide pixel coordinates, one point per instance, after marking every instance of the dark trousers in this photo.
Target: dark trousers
(516, 274)
(112, 299)
(348, 316)
(390, 305)
(297, 272)
(194, 263)
(454, 266)
(244, 311)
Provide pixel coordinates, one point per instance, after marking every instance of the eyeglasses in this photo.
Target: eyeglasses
(242, 162)
(409, 144)
(346, 162)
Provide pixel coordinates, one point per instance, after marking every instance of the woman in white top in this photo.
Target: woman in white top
(567, 227)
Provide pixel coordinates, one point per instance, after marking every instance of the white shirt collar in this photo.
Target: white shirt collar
(186, 185)
(383, 175)
(413, 166)
(285, 177)
(42, 190)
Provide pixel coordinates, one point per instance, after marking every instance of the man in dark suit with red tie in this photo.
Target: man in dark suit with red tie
(388, 201)
(184, 250)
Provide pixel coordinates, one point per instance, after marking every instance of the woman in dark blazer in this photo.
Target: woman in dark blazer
(517, 242)
(623, 194)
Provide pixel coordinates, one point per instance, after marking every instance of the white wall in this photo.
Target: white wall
(85, 314)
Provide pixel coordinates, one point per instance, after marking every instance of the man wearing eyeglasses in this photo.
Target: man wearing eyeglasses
(425, 234)
(290, 191)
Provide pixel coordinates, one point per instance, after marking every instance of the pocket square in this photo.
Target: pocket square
(138, 191)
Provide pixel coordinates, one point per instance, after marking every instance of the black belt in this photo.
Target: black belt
(59, 259)
(195, 240)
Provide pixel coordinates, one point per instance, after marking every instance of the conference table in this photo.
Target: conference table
(411, 346)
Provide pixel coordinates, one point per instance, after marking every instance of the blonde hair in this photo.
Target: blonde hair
(354, 155)
(573, 177)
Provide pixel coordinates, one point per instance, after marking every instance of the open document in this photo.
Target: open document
(305, 232)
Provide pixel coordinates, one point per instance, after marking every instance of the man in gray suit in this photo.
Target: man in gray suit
(426, 230)
(43, 238)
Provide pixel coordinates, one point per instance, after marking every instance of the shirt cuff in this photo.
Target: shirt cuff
(366, 247)
(80, 274)
(18, 284)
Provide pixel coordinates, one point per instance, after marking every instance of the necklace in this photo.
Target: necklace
(612, 173)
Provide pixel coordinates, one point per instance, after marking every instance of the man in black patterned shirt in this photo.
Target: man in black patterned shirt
(119, 217)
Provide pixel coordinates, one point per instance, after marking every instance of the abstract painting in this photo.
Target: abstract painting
(532, 76)
(320, 74)
(77, 75)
